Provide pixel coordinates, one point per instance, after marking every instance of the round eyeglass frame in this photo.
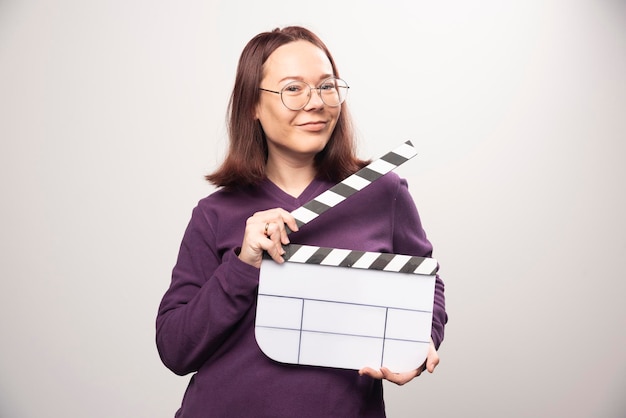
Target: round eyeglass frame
(309, 95)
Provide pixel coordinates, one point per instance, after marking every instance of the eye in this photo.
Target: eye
(293, 88)
(327, 86)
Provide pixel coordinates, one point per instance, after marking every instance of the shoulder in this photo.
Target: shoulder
(218, 197)
(235, 204)
(219, 218)
(387, 186)
(223, 198)
(220, 203)
(379, 196)
(392, 179)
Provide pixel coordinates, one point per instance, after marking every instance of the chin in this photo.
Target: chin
(312, 141)
(319, 147)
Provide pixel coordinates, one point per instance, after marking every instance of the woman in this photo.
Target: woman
(290, 140)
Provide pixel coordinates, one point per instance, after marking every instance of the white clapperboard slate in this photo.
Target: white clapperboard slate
(343, 308)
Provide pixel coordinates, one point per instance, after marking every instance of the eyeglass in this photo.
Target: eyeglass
(297, 94)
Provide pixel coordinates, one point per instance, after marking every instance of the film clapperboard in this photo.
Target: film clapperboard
(342, 308)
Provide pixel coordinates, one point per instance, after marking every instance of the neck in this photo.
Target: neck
(291, 177)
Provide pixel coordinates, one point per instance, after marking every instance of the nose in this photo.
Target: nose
(315, 100)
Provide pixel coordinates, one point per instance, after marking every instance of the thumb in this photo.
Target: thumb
(432, 362)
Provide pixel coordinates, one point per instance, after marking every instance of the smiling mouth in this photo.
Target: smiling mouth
(313, 126)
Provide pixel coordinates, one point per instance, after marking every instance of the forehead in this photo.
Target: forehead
(299, 59)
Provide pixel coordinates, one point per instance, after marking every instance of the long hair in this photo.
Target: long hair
(245, 161)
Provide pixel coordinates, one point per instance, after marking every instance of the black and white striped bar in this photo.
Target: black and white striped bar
(338, 257)
(352, 184)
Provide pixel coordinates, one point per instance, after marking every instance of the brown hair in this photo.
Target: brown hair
(247, 154)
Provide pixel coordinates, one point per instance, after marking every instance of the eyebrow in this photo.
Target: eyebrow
(298, 78)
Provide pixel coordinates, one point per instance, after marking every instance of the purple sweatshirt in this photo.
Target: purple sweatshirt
(205, 322)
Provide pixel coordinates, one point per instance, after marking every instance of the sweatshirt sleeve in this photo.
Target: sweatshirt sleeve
(410, 238)
(208, 295)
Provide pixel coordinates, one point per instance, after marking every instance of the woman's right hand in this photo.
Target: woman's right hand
(266, 231)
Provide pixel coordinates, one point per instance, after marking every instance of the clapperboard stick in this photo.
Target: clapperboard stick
(354, 183)
(332, 197)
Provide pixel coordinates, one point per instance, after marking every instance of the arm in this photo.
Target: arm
(410, 238)
(210, 293)
(207, 296)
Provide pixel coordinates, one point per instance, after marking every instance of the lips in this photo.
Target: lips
(313, 125)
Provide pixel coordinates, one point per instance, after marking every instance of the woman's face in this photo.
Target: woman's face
(296, 133)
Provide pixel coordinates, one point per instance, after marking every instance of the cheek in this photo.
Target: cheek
(335, 117)
(275, 124)
(274, 115)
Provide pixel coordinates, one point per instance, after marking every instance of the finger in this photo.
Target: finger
(290, 221)
(432, 362)
(289, 225)
(271, 228)
(271, 241)
(420, 369)
(281, 232)
(266, 230)
(279, 221)
(368, 371)
(276, 252)
(400, 378)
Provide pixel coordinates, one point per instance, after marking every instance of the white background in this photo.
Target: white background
(112, 111)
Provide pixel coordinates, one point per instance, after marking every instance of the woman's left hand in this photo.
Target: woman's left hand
(432, 360)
